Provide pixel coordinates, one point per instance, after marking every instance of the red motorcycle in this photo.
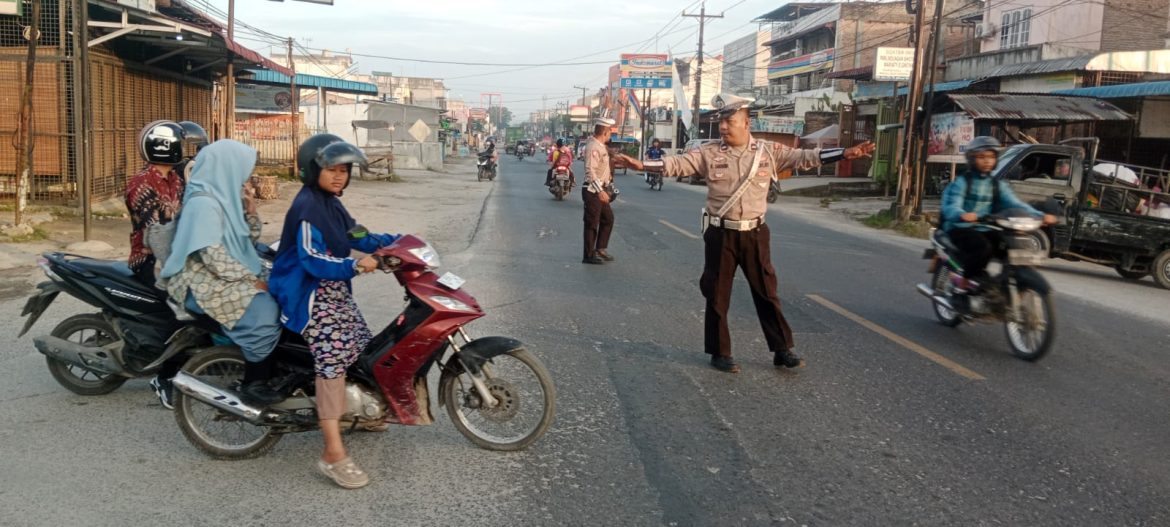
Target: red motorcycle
(499, 395)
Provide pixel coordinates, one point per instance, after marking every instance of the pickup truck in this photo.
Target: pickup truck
(1102, 219)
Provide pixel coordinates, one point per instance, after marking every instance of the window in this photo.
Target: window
(1042, 167)
(1015, 28)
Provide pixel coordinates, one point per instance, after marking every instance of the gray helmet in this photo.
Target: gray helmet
(194, 138)
(982, 143)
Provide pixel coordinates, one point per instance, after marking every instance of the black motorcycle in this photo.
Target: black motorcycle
(774, 191)
(654, 179)
(1018, 295)
(485, 167)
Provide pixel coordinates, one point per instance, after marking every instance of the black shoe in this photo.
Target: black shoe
(164, 389)
(724, 364)
(255, 388)
(605, 256)
(260, 393)
(592, 260)
(787, 359)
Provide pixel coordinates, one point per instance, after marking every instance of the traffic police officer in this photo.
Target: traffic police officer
(738, 171)
(598, 179)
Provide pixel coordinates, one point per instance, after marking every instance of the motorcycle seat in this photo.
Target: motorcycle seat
(115, 270)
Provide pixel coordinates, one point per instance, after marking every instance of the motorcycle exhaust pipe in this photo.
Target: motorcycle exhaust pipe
(928, 292)
(216, 397)
(96, 358)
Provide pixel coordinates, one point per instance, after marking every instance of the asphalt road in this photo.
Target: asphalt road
(896, 419)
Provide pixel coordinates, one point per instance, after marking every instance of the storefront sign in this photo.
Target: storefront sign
(893, 64)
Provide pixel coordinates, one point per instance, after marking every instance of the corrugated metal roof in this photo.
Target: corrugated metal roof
(1043, 66)
(939, 87)
(1038, 108)
(1121, 91)
(313, 81)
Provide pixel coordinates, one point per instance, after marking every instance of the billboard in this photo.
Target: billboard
(579, 113)
(259, 98)
(646, 65)
(950, 133)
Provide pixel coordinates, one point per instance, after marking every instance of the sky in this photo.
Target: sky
(496, 31)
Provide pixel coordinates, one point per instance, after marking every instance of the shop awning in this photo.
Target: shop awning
(1121, 91)
(332, 84)
(1003, 107)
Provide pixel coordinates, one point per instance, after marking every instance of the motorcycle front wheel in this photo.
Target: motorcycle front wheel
(1030, 333)
(526, 400)
(941, 283)
(219, 434)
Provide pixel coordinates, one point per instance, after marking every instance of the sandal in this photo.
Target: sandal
(344, 473)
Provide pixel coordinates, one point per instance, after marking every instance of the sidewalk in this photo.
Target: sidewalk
(442, 207)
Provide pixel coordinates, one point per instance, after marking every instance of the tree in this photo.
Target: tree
(500, 115)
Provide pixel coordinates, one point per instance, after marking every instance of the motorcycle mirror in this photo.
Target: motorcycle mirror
(357, 232)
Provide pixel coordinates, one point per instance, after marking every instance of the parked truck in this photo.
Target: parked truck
(1103, 218)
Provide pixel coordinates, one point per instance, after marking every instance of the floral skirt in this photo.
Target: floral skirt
(337, 332)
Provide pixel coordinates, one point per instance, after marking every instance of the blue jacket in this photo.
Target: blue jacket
(296, 275)
(956, 200)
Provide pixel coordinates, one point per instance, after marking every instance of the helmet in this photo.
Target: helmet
(325, 150)
(560, 143)
(194, 138)
(982, 143)
(161, 142)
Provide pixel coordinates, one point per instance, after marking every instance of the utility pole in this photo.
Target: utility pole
(586, 102)
(702, 16)
(229, 85)
(293, 105)
(928, 105)
(24, 140)
(907, 170)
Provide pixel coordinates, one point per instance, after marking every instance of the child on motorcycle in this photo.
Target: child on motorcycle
(561, 156)
(971, 197)
(311, 282)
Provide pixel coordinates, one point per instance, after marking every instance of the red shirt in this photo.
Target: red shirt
(151, 197)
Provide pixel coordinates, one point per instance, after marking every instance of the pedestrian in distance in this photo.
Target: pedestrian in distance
(739, 170)
(596, 193)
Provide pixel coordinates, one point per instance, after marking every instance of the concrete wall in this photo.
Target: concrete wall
(745, 62)
(862, 27)
(1134, 24)
(1070, 24)
(976, 66)
(408, 153)
(1039, 83)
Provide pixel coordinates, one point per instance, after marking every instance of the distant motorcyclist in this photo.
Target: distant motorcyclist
(971, 197)
(560, 156)
(655, 151)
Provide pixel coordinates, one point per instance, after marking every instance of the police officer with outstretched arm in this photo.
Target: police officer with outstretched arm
(738, 171)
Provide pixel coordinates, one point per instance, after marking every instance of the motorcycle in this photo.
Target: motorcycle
(562, 183)
(774, 191)
(498, 394)
(520, 153)
(1018, 295)
(485, 167)
(135, 332)
(654, 179)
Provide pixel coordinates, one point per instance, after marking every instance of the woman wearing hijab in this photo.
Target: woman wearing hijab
(311, 282)
(214, 268)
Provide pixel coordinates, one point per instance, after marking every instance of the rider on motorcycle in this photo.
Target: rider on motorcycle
(654, 153)
(971, 197)
(311, 282)
(561, 156)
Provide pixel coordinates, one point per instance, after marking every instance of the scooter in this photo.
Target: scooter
(485, 167)
(1018, 295)
(498, 394)
(562, 183)
(774, 191)
(654, 179)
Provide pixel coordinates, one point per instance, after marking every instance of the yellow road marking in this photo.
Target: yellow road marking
(897, 339)
(680, 230)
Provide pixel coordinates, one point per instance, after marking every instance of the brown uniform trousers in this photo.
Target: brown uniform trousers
(726, 249)
(598, 223)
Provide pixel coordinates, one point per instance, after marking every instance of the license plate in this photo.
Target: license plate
(1026, 257)
(562, 177)
(450, 281)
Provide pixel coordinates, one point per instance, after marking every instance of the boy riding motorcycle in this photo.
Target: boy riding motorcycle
(971, 197)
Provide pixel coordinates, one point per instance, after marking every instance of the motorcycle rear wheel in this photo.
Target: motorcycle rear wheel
(218, 434)
(89, 329)
(941, 283)
(1032, 340)
(502, 372)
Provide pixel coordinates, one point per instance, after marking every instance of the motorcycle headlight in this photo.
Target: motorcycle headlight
(451, 303)
(1019, 224)
(427, 254)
